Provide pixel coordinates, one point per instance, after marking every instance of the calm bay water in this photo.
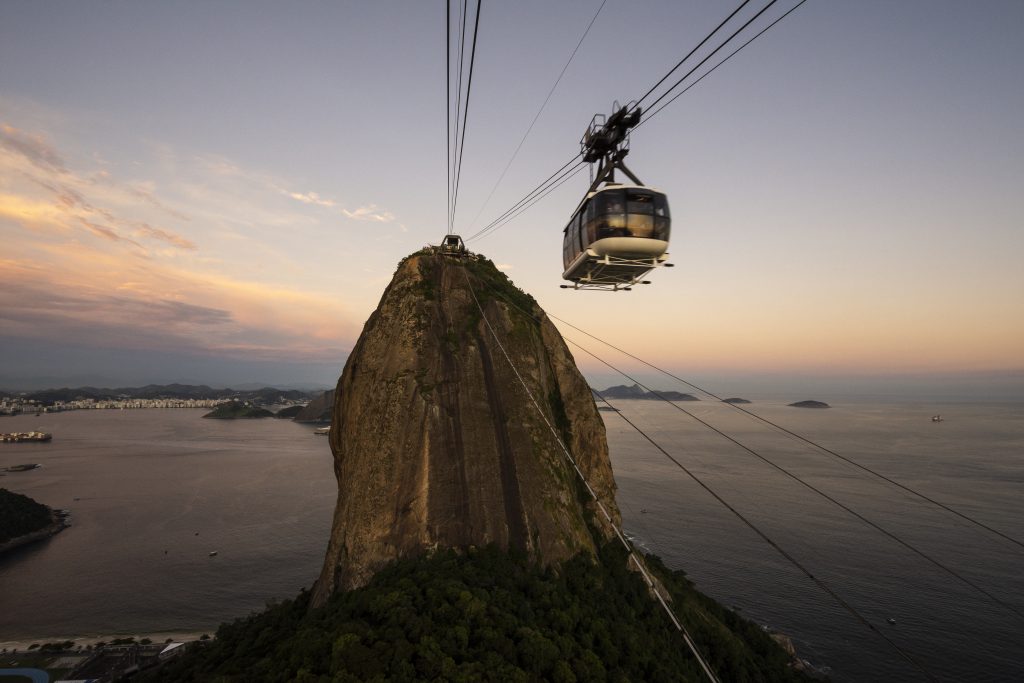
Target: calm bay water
(261, 494)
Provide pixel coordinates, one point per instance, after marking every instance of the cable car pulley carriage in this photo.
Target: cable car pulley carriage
(618, 233)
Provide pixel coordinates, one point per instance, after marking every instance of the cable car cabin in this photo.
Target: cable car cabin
(453, 244)
(618, 235)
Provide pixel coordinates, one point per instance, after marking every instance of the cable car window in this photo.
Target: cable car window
(661, 205)
(610, 202)
(641, 225)
(639, 202)
(611, 215)
(661, 228)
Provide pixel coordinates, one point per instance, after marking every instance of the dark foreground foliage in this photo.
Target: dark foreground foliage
(20, 515)
(486, 615)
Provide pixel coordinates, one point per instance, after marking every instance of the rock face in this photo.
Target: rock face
(437, 444)
(318, 410)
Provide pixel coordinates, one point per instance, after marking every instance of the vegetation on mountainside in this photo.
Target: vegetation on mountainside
(495, 284)
(488, 615)
(20, 515)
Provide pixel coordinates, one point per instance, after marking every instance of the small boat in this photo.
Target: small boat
(643, 511)
(891, 620)
(322, 431)
(213, 554)
(936, 418)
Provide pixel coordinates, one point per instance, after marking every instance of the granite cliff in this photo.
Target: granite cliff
(436, 443)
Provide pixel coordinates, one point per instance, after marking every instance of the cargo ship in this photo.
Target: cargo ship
(19, 437)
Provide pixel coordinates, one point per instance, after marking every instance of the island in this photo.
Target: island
(735, 401)
(636, 392)
(23, 521)
(809, 404)
(237, 410)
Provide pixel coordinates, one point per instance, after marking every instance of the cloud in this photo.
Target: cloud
(369, 213)
(171, 238)
(106, 233)
(35, 148)
(102, 301)
(312, 198)
(172, 251)
(93, 202)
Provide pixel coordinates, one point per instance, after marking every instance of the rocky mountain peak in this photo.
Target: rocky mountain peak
(436, 442)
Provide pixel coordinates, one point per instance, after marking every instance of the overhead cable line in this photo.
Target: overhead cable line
(571, 174)
(690, 53)
(707, 73)
(808, 485)
(691, 645)
(753, 527)
(800, 437)
(500, 221)
(465, 115)
(792, 560)
(547, 189)
(458, 107)
(448, 96)
(529, 195)
(539, 111)
(713, 52)
(775, 465)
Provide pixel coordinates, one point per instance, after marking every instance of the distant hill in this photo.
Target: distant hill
(318, 410)
(809, 404)
(235, 410)
(290, 411)
(636, 392)
(20, 515)
(265, 395)
(735, 401)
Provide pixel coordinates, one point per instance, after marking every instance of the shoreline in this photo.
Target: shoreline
(158, 637)
(56, 525)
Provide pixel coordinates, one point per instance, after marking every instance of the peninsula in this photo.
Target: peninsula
(24, 521)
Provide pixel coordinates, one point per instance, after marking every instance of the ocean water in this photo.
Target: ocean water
(973, 462)
(158, 490)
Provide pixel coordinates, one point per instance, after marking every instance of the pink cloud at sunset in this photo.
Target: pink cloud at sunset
(112, 264)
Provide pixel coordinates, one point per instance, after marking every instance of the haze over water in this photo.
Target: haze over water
(261, 493)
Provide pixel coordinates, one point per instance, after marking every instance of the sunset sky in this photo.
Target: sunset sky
(219, 192)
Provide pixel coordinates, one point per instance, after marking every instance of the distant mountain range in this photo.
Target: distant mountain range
(200, 391)
(635, 392)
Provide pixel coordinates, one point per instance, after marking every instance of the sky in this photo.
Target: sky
(219, 192)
